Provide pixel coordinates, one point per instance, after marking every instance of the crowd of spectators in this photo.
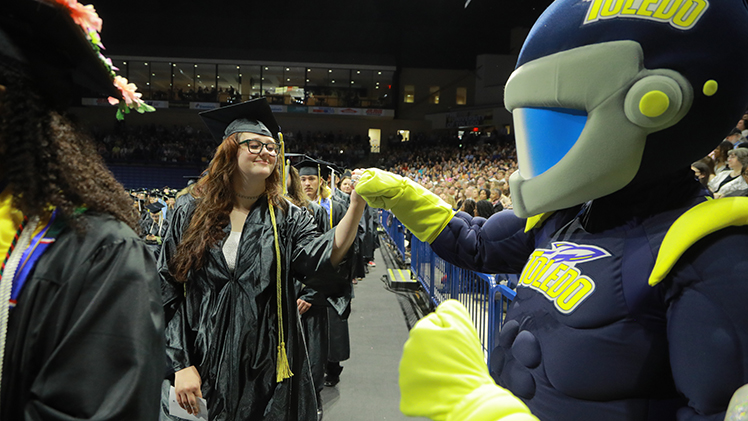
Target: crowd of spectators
(473, 167)
(725, 170)
(155, 144)
(469, 173)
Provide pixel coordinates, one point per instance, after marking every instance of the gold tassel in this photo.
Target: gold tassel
(282, 368)
(283, 169)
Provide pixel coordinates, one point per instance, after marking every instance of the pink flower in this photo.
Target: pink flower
(128, 91)
(85, 16)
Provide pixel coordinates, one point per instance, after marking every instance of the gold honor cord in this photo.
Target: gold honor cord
(282, 158)
(282, 368)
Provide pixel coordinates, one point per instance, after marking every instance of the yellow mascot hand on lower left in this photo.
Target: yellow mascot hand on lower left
(443, 375)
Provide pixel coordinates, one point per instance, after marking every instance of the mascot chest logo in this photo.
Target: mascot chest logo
(554, 273)
(681, 14)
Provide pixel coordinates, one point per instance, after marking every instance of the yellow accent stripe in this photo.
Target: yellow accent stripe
(698, 222)
(536, 221)
(400, 276)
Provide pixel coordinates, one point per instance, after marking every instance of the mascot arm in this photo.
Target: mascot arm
(707, 327)
(496, 245)
(421, 211)
(443, 375)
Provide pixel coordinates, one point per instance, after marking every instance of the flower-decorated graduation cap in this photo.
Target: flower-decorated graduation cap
(254, 116)
(56, 44)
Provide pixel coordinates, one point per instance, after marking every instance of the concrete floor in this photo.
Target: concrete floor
(368, 387)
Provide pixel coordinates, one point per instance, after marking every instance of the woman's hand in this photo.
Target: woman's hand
(302, 305)
(187, 388)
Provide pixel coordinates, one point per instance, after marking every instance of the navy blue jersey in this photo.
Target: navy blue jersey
(587, 338)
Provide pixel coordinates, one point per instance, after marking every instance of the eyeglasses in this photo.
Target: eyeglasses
(255, 146)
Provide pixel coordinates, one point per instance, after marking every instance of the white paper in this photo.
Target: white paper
(178, 411)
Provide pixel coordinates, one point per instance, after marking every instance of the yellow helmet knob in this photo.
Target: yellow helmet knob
(654, 104)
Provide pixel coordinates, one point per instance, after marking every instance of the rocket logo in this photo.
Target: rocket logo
(554, 273)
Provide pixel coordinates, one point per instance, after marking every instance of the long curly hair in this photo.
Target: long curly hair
(214, 205)
(48, 161)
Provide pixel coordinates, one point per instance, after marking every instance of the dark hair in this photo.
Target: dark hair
(469, 206)
(484, 208)
(215, 202)
(705, 171)
(487, 191)
(51, 161)
(722, 149)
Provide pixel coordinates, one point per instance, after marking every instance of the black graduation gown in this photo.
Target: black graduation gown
(157, 229)
(339, 305)
(368, 245)
(314, 320)
(226, 324)
(85, 341)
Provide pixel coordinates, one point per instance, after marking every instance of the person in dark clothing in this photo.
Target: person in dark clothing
(313, 174)
(311, 303)
(228, 266)
(84, 336)
(154, 229)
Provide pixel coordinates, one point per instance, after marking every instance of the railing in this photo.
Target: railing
(485, 296)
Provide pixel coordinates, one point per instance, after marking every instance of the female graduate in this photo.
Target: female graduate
(78, 289)
(228, 265)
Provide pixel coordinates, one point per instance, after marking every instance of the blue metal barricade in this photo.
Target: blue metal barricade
(486, 296)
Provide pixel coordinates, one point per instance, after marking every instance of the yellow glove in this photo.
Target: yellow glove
(738, 408)
(421, 211)
(443, 375)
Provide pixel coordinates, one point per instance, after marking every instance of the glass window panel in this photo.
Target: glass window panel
(184, 81)
(338, 81)
(461, 96)
(362, 85)
(273, 83)
(228, 83)
(251, 82)
(409, 94)
(316, 85)
(140, 75)
(433, 94)
(382, 87)
(294, 81)
(205, 80)
(160, 80)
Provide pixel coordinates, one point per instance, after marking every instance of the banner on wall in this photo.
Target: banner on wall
(468, 119)
(103, 102)
(204, 105)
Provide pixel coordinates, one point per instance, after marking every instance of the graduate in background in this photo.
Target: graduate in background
(81, 325)
(154, 230)
(313, 174)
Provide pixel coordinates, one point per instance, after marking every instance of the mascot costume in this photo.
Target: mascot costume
(631, 304)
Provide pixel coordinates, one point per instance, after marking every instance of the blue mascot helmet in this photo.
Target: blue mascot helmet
(612, 92)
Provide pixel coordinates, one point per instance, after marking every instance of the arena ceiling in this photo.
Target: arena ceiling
(408, 33)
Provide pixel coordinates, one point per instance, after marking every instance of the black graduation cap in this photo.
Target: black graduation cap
(155, 207)
(40, 38)
(311, 166)
(254, 116)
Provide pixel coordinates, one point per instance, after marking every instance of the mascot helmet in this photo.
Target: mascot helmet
(612, 92)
